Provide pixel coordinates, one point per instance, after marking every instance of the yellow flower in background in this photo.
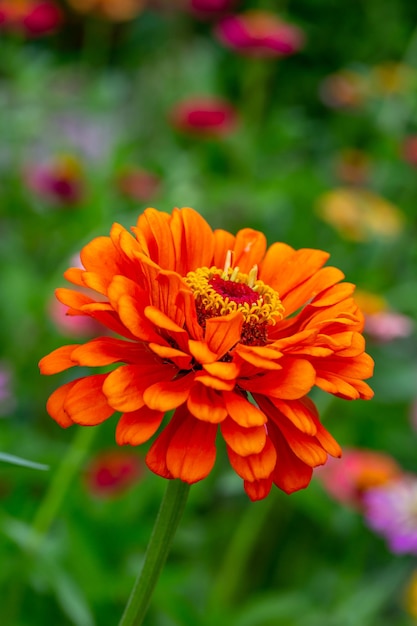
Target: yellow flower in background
(392, 78)
(359, 214)
(411, 596)
(115, 10)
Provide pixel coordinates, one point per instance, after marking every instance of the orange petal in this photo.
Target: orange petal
(186, 302)
(242, 411)
(168, 395)
(290, 473)
(154, 235)
(249, 249)
(132, 316)
(201, 352)
(296, 411)
(193, 240)
(258, 489)
(213, 382)
(206, 404)
(72, 298)
(106, 350)
(58, 360)
(292, 382)
(191, 451)
(181, 359)
(86, 403)
(261, 357)
(223, 242)
(223, 333)
(223, 370)
(316, 284)
(254, 466)
(161, 320)
(138, 426)
(243, 441)
(125, 386)
(55, 404)
(156, 456)
(74, 275)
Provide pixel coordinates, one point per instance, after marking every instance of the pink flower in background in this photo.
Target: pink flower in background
(33, 18)
(59, 181)
(381, 323)
(111, 473)
(72, 325)
(207, 116)
(345, 89)
(391, 511)
(7, 398)
(259, 33)
(347, 479)
(138, 184)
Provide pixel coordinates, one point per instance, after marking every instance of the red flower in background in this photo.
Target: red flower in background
(113, 472)
(211, 8)
(259, 33)
(34, 18)
(228, 334)
(204, 116)
(138, 184)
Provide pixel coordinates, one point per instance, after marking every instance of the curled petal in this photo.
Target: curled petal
(168, 395)
(294, 381)
(243, 441)
(107, 350)
(58, 360)
(206, 404)
(85, 402)
(242, 411)
(138, 426)
(223, 333)
(258, 489)
(191, 251)
(254, 466)
(290, 473)
(249, 249)
(213, 382)
(223, 370)
(55, 404)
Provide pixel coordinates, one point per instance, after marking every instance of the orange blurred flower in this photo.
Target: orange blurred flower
(345, 89)
(224, 332)
(347, 479)
(381, 323)
(32, 17)
(259, 33)
(115, 10)
(359, 214)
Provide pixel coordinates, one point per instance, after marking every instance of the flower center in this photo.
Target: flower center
(220, 292)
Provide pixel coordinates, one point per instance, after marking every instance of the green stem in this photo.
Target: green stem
(242, 544)
(169, 515)
(60, 483)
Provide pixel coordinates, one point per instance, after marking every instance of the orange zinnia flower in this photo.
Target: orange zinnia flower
(224, 332)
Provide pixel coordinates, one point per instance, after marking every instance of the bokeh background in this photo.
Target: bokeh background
(298, 119)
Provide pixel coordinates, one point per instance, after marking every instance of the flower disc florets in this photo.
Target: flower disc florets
(220, 292)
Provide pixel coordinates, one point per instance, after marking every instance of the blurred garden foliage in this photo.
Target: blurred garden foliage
(307, 132)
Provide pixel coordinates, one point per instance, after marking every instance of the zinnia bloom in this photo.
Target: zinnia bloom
(390, 510)
(210, 8)
(227, 334)
(32, 17)
(259, 33)
(204, 116)
(347, 479)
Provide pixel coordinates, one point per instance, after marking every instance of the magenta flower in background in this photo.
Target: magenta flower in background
(391, 511)
(260, 34)
(33, 18)
(206, 116)
(72, 325)
(59, 181)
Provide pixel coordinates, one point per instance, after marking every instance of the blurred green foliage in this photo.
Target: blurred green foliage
(102, 93)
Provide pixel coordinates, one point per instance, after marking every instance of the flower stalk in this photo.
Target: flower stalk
(166, 523)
